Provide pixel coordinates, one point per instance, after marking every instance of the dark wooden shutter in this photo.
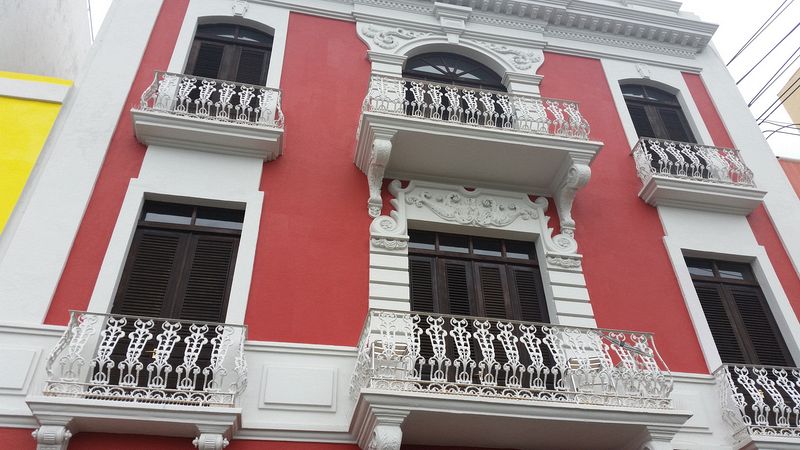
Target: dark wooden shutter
(492, 291)
(640, 120)
(765, 338)
(423, 284)
(528, 293)
(675, 126)
(721, 323)
(207, 60)
(207, 278)
(457, 289)
(252, 65)
(148, 284)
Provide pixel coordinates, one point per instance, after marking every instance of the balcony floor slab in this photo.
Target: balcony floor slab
(453, 420)
(706, 196)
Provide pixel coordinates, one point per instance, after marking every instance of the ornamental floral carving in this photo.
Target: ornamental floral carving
(564, 262)
(389, 243)
(519, 58)
(481, 210)
(389, 38)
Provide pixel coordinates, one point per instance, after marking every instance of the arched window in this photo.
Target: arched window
(450, 68)
(656, 113)
(230, 52)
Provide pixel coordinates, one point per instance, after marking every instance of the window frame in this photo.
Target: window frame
(231, 52)
(734, 315)
(652, 107)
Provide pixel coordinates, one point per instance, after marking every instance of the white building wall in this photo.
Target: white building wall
(44, 37)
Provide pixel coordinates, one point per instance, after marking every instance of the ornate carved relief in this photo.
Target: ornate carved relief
(389, 38)
(239, 7)
(387, 233)
(483, 208)
(644, 70)
(521, 59)
(386, 437)
(379, 157)
(565, 262)
(52, 437)
(576, 178)
(465, 209)
(209, 441)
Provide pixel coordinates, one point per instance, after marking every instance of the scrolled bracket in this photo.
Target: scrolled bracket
(576, 177)
(52, 437)
(378, 158)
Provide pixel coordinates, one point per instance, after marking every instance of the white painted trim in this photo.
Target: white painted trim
(114, 261)
(33, 90)
(41, 236)
(301, 348)
(767, 279)
(665, 78)
(258, 14)
(565, 289)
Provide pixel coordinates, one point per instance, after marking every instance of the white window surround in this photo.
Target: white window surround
(114, 261)
(668, 79)
(480, 212)
(702, 233)
(266, 18)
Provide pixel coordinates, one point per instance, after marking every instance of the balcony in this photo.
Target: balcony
(562, 387)
(206, 114)
(412, 129)
(761, 404)
(143, 375)
(695, 176)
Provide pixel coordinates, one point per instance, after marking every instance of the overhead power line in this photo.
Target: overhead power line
(779, 101)
(778, 73)
(767, 23)
(768, 53)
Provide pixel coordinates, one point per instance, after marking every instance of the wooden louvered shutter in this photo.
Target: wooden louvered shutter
(423, 284)
(206, 60)
(674, 125)
(456, 287)
(252, 66)
(763, 335)
(721, 322)
(206, 278)
(492, 291)
(528, 294)
(148, 283)
(640, 121)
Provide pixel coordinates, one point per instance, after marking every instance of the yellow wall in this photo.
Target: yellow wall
(24, 126)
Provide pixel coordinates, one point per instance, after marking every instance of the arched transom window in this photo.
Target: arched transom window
(656, 113)
(450, 68)
(230, 52)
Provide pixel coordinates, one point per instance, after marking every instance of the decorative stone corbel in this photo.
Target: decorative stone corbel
(385, 433)
(210, 441)
(388, 233)
(378, 158)
(52, 437)
(657, 438)
(577, 176)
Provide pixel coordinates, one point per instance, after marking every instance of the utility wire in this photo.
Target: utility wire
(783, 6)
(768, 53)
(778, 73)
(780, 100)
(780, 130)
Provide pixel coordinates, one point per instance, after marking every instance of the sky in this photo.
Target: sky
(737, 20)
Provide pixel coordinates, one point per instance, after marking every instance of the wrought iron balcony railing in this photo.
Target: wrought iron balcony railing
(690, 161)
(465, 106)
(148, 360)
(480, 357)
(760, 400)
(211, 99)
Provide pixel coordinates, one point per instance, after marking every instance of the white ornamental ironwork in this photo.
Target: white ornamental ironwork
(148, 360)
(211, 99)
(481, 357)
(760, 400)
(689, 161)
(474, 107)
